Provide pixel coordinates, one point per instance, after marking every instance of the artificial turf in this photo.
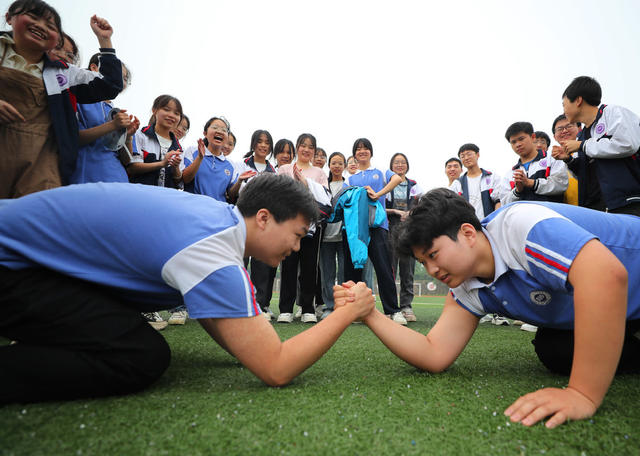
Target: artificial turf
(358, 399)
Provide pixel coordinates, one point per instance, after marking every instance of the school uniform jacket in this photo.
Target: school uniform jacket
(66, 86)
(550, 180)
(149, 151)
(489, 189)
(613, 143)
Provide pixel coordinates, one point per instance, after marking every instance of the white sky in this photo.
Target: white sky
(415, 77)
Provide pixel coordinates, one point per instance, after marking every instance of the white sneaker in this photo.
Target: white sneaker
(155, 320)
(285, 318)
(309, 318)
(178, 318)
(488, 318)
(319, 310)
(528, 327)
(399, 318)
(267, 316)
(407, 313)
(500, 321)
(298, 313)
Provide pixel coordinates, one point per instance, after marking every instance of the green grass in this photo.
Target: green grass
(358, 399)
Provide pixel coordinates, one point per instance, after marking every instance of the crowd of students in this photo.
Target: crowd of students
(58, 127)
(94, 141)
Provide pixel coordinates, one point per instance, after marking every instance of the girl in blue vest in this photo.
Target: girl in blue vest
(103, 132)
(207, 170)
(398, 203)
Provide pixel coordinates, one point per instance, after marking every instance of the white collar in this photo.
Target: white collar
(499, 266)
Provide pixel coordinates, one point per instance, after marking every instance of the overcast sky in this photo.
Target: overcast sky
(415, 77)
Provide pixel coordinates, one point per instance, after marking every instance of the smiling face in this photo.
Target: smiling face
(449, 261)
(182, 129)
(453, 170)
(167, 116)
(540, 143)
(216, 133)
(284, 157)
(565, 130)
(229, 145)
(352, 165)
(363, 155)
(65, 53)
(262, 148)
(34, 34)
(306, 151)
(320, 159)
(399, 165)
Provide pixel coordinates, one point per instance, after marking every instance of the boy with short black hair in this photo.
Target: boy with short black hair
(537, 176)
(554, 265)
(542, 140)
(607, 150)
(453, 169)
(74, 279)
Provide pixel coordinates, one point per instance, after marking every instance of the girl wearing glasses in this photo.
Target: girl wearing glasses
(206, 169)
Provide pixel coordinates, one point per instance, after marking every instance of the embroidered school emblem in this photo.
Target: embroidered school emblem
(375, 176)
(540, 297)
(543, 163)
(62, 79)
(227, 172)
(600, 128)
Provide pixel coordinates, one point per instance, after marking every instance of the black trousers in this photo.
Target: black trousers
(307, 259)
(381, 259)
(74, 340)
(262, 276)
(554, 348)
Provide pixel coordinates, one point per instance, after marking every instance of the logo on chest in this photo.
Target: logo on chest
(540, 297)
(227, 172)
(600, 128)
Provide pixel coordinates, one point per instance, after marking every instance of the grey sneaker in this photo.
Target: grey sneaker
(500, 321)
(285, 318)
(178, 318)
(488, 318)
(408, 314)
(309, 318)
(298, 313)
(399, 318)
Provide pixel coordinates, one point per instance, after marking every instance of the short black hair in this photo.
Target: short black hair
(468, 146)
(439, 212)
(587, 88)
(281, 195)
(543, 135)
(362, 142)
(453, 159)
(518, 127)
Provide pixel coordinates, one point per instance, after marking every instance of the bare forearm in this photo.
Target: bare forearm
(142, 168)
(91, 134)
(190, 171)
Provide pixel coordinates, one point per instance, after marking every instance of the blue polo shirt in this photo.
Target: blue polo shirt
(214, 177)
(157, 247)
(374, 178)
(534, 245)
